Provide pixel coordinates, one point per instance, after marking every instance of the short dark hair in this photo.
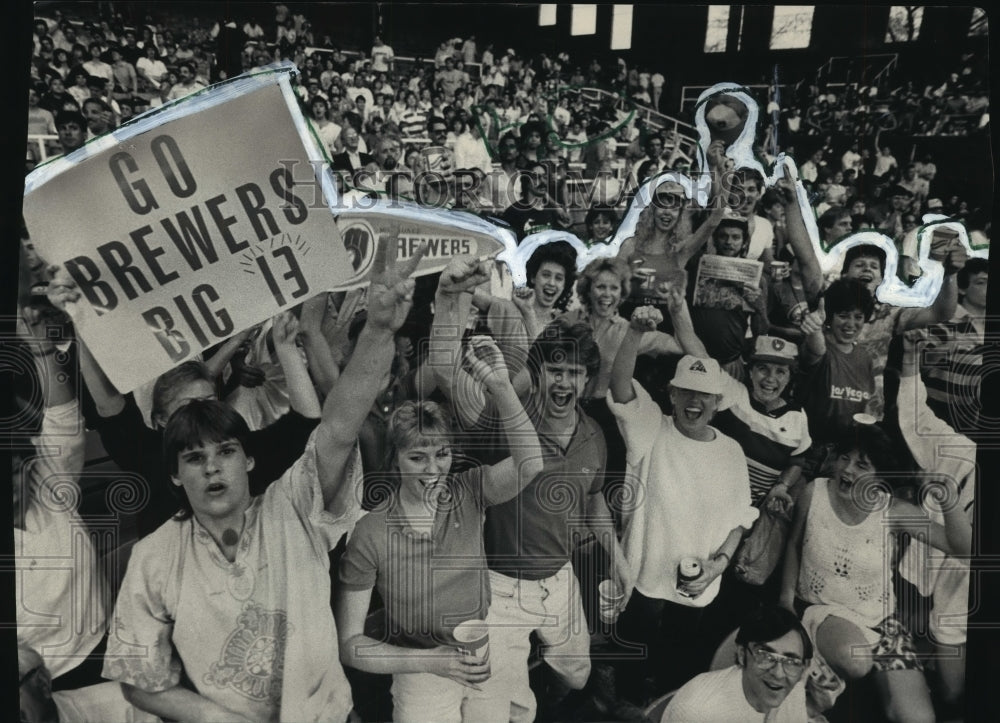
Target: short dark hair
(848, 295)
(558, 252)
(770, 622)
(197, 422)
(98, 102)
(770, 198)
(973, 266)
(70, 116)
(563, 340)
(866, 250)
(749, 174)
(872, 442)
(596, 211)
(829, 218)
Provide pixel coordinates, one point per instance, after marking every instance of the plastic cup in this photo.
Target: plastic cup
(611, 596)
(473, 637)
(648, 277)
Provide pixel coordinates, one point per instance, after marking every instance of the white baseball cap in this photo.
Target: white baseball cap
(698, 374)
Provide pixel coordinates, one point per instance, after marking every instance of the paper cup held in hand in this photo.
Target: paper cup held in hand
(611, 597)
(473, 637)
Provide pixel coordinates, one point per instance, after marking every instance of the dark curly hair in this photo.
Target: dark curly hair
(848, 295)
(557, 252)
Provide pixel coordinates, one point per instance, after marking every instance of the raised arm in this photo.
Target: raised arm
(322, 366)
(684, 335)
(798, 237)
(301, 393)
(389, 300)
(507, 478)
(222, 353)
(924, 432)
(64, 294)
(814, 347)
(645, 318)
(532, 324)
(687, 248)
(451, 313)
(946, 301)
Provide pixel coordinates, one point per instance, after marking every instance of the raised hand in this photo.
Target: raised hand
(674, 295)
(285, 327)
(645, 318)
(390, 293)
(716, 153)
(63, 293)
(956, 258)
(522, 300)
(463, 273)
(814, 320)
(485, 362)
(786, 187)
(247, 375)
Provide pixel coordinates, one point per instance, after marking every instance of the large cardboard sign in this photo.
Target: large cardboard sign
(187, 232)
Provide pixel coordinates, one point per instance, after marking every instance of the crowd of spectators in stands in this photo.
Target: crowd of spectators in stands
(618, 422)
(954, 104)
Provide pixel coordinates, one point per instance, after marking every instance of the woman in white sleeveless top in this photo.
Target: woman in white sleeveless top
(838, 575)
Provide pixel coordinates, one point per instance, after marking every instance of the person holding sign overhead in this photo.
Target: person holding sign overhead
(233, 594)
(128, 440)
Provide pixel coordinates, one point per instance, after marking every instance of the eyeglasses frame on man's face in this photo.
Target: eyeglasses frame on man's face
(768, 659)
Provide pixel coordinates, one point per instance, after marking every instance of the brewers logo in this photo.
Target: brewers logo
(359, 240)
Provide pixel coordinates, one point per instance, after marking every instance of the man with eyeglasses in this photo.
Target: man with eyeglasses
(772, 654)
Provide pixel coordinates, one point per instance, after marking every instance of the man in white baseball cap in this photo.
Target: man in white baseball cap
(695, 489)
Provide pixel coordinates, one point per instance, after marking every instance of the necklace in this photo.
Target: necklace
(229, 537)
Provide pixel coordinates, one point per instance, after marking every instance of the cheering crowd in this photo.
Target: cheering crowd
(752, 468)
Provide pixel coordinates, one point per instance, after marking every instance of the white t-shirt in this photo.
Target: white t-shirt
(761, 236)
(718, 697)
(693, 495)
(381, 55)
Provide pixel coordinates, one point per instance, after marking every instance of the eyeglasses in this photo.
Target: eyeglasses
(766, 660)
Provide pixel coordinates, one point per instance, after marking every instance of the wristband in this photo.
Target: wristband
(725, 555)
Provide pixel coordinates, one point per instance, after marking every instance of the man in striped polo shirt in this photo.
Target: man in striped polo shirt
(952, 364)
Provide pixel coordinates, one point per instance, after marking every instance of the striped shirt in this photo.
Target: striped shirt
(770, 440)
(952, 368)
(413, 123)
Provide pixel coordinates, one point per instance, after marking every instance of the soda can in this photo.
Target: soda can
(688, 570)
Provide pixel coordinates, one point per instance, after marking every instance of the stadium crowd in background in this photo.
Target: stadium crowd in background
(728, 455)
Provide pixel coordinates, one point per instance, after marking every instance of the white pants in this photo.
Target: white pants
(429, 698)
(553, 608)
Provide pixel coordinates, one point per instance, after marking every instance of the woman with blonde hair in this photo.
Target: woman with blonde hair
(407, 549)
